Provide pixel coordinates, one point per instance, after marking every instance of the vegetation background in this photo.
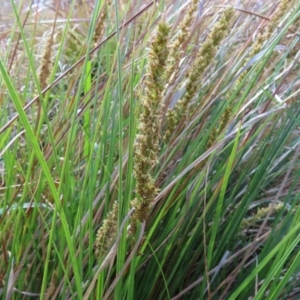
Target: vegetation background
(149, 149)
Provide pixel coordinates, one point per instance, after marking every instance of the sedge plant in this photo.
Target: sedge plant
(149, 150)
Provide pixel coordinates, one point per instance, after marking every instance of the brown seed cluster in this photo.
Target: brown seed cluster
(148, 138)
(176, 46)
(202, 61)
(107, 233)
(46, 63)
(100, 27)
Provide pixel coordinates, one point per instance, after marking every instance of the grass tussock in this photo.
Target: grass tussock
(149, 151)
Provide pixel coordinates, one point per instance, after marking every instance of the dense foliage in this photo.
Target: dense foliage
(149, 150)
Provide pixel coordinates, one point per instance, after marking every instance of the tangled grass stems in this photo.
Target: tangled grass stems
(211, 230)
(261, 38)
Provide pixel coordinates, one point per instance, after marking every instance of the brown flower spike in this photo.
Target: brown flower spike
(202, 61)
(147, 141)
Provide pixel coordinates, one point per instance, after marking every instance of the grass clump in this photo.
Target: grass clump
(169, 130)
